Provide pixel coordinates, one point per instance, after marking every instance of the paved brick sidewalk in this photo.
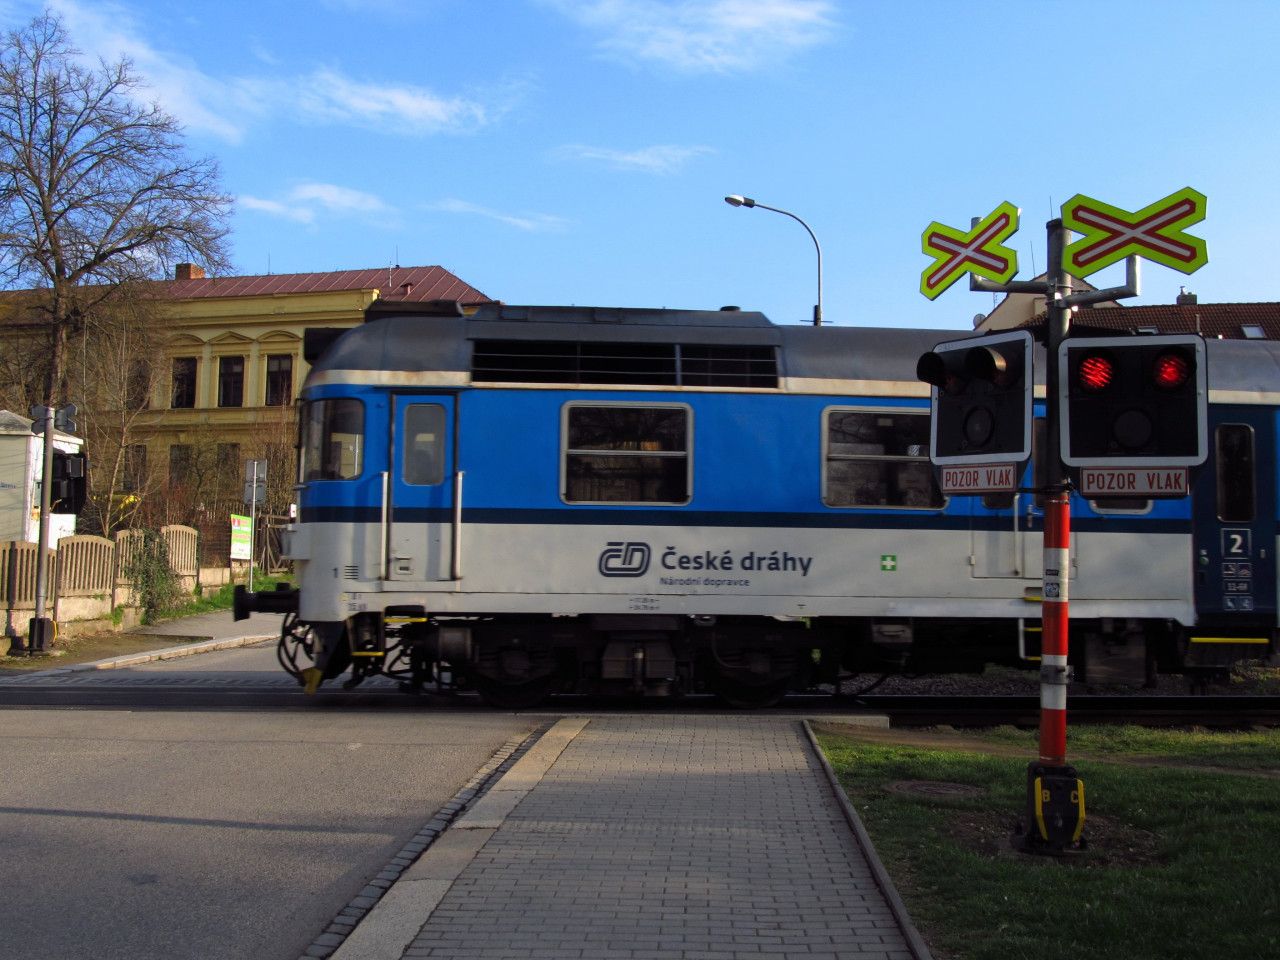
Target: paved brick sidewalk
(698, 838)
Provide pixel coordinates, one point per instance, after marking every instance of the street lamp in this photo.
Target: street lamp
(740, 201)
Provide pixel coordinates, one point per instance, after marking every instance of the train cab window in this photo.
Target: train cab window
(878, 458)
(332, 439)
(422, 455)
(626, 453)
(1234, 459)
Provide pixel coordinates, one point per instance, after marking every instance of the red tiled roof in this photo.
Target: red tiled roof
(413, 284)
(1212, 320)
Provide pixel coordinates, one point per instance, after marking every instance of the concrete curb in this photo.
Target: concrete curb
(390, 927)
(915, 943)
(150, 656)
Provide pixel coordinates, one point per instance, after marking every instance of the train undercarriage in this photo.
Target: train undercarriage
(516, 662)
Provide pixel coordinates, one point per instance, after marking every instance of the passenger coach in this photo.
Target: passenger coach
(528, 500)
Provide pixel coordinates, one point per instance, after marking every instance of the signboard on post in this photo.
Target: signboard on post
(255, 481)
(1098, 483)
(979, 478)
(241, 537)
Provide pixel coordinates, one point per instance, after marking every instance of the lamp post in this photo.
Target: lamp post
(740, 201)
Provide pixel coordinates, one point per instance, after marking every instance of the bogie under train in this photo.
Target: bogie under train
(530, 500)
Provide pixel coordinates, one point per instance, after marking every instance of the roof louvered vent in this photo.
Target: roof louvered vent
(661, 364)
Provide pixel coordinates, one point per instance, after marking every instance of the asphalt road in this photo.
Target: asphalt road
(164, 833)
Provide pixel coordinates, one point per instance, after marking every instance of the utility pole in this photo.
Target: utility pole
(40, 629)
(46, 419)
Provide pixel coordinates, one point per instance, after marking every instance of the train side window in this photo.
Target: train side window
(878, 458)
(1234, 459)
(423, 453)
(626, 453)
(332, 439)
(1120, 505)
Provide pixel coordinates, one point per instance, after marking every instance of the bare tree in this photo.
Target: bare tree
(96, 189)
(113, 367)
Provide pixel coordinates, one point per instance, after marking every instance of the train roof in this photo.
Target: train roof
(507, 343)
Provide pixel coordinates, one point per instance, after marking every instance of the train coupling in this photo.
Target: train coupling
(283, 599)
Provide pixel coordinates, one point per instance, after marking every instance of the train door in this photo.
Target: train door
(1234, 510)
(423, 490)
(1009, 542)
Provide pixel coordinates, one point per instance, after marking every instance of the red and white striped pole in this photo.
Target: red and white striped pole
(1055, 795)
(1055, 620)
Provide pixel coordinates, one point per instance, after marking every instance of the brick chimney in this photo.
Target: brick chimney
(1186, 298)
(188, 271)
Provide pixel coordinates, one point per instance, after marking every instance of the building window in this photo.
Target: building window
(625, 453)
(879, 458)
(179, 464)
(279, 380)
(229, 470)
(135, 468)
(138, 386)
(230, 381)
(184, 383)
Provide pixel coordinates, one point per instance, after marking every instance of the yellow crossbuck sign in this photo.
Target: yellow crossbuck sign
(1153, 233)
(980, 251)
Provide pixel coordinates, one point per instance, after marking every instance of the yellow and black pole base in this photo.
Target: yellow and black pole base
(1054, 819)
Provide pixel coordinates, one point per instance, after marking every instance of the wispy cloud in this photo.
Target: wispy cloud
(305, 202)
(703, 36)
(227, 107)
(661, 158)
(276, 208)
(328, 95)
(529, 222)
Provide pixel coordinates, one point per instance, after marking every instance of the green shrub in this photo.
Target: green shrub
(157, 587)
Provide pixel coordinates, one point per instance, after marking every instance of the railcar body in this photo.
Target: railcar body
(534, 499)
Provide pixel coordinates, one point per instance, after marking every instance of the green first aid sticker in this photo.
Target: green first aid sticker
(888, 562)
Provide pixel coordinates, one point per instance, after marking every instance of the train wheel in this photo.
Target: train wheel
(749, 696)
(515, 696)
(296, 648)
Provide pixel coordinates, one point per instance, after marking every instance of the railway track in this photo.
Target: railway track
(984, 710)
(903, 709)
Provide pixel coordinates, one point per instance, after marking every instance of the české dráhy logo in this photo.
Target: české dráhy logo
(624, 559)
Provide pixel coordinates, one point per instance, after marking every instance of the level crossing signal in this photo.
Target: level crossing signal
(68, 493)
(1133, 401)
(981, 399)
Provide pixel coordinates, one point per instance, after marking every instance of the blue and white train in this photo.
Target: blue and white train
(527, 500)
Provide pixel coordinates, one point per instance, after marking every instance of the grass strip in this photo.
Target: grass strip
(1181, 864)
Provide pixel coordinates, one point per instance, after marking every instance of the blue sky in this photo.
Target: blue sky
(578, 151)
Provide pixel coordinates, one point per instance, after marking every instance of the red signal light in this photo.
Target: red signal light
(1170, 371)
(1096, 372)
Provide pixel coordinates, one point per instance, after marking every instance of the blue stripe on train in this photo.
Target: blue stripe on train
(694, 518)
